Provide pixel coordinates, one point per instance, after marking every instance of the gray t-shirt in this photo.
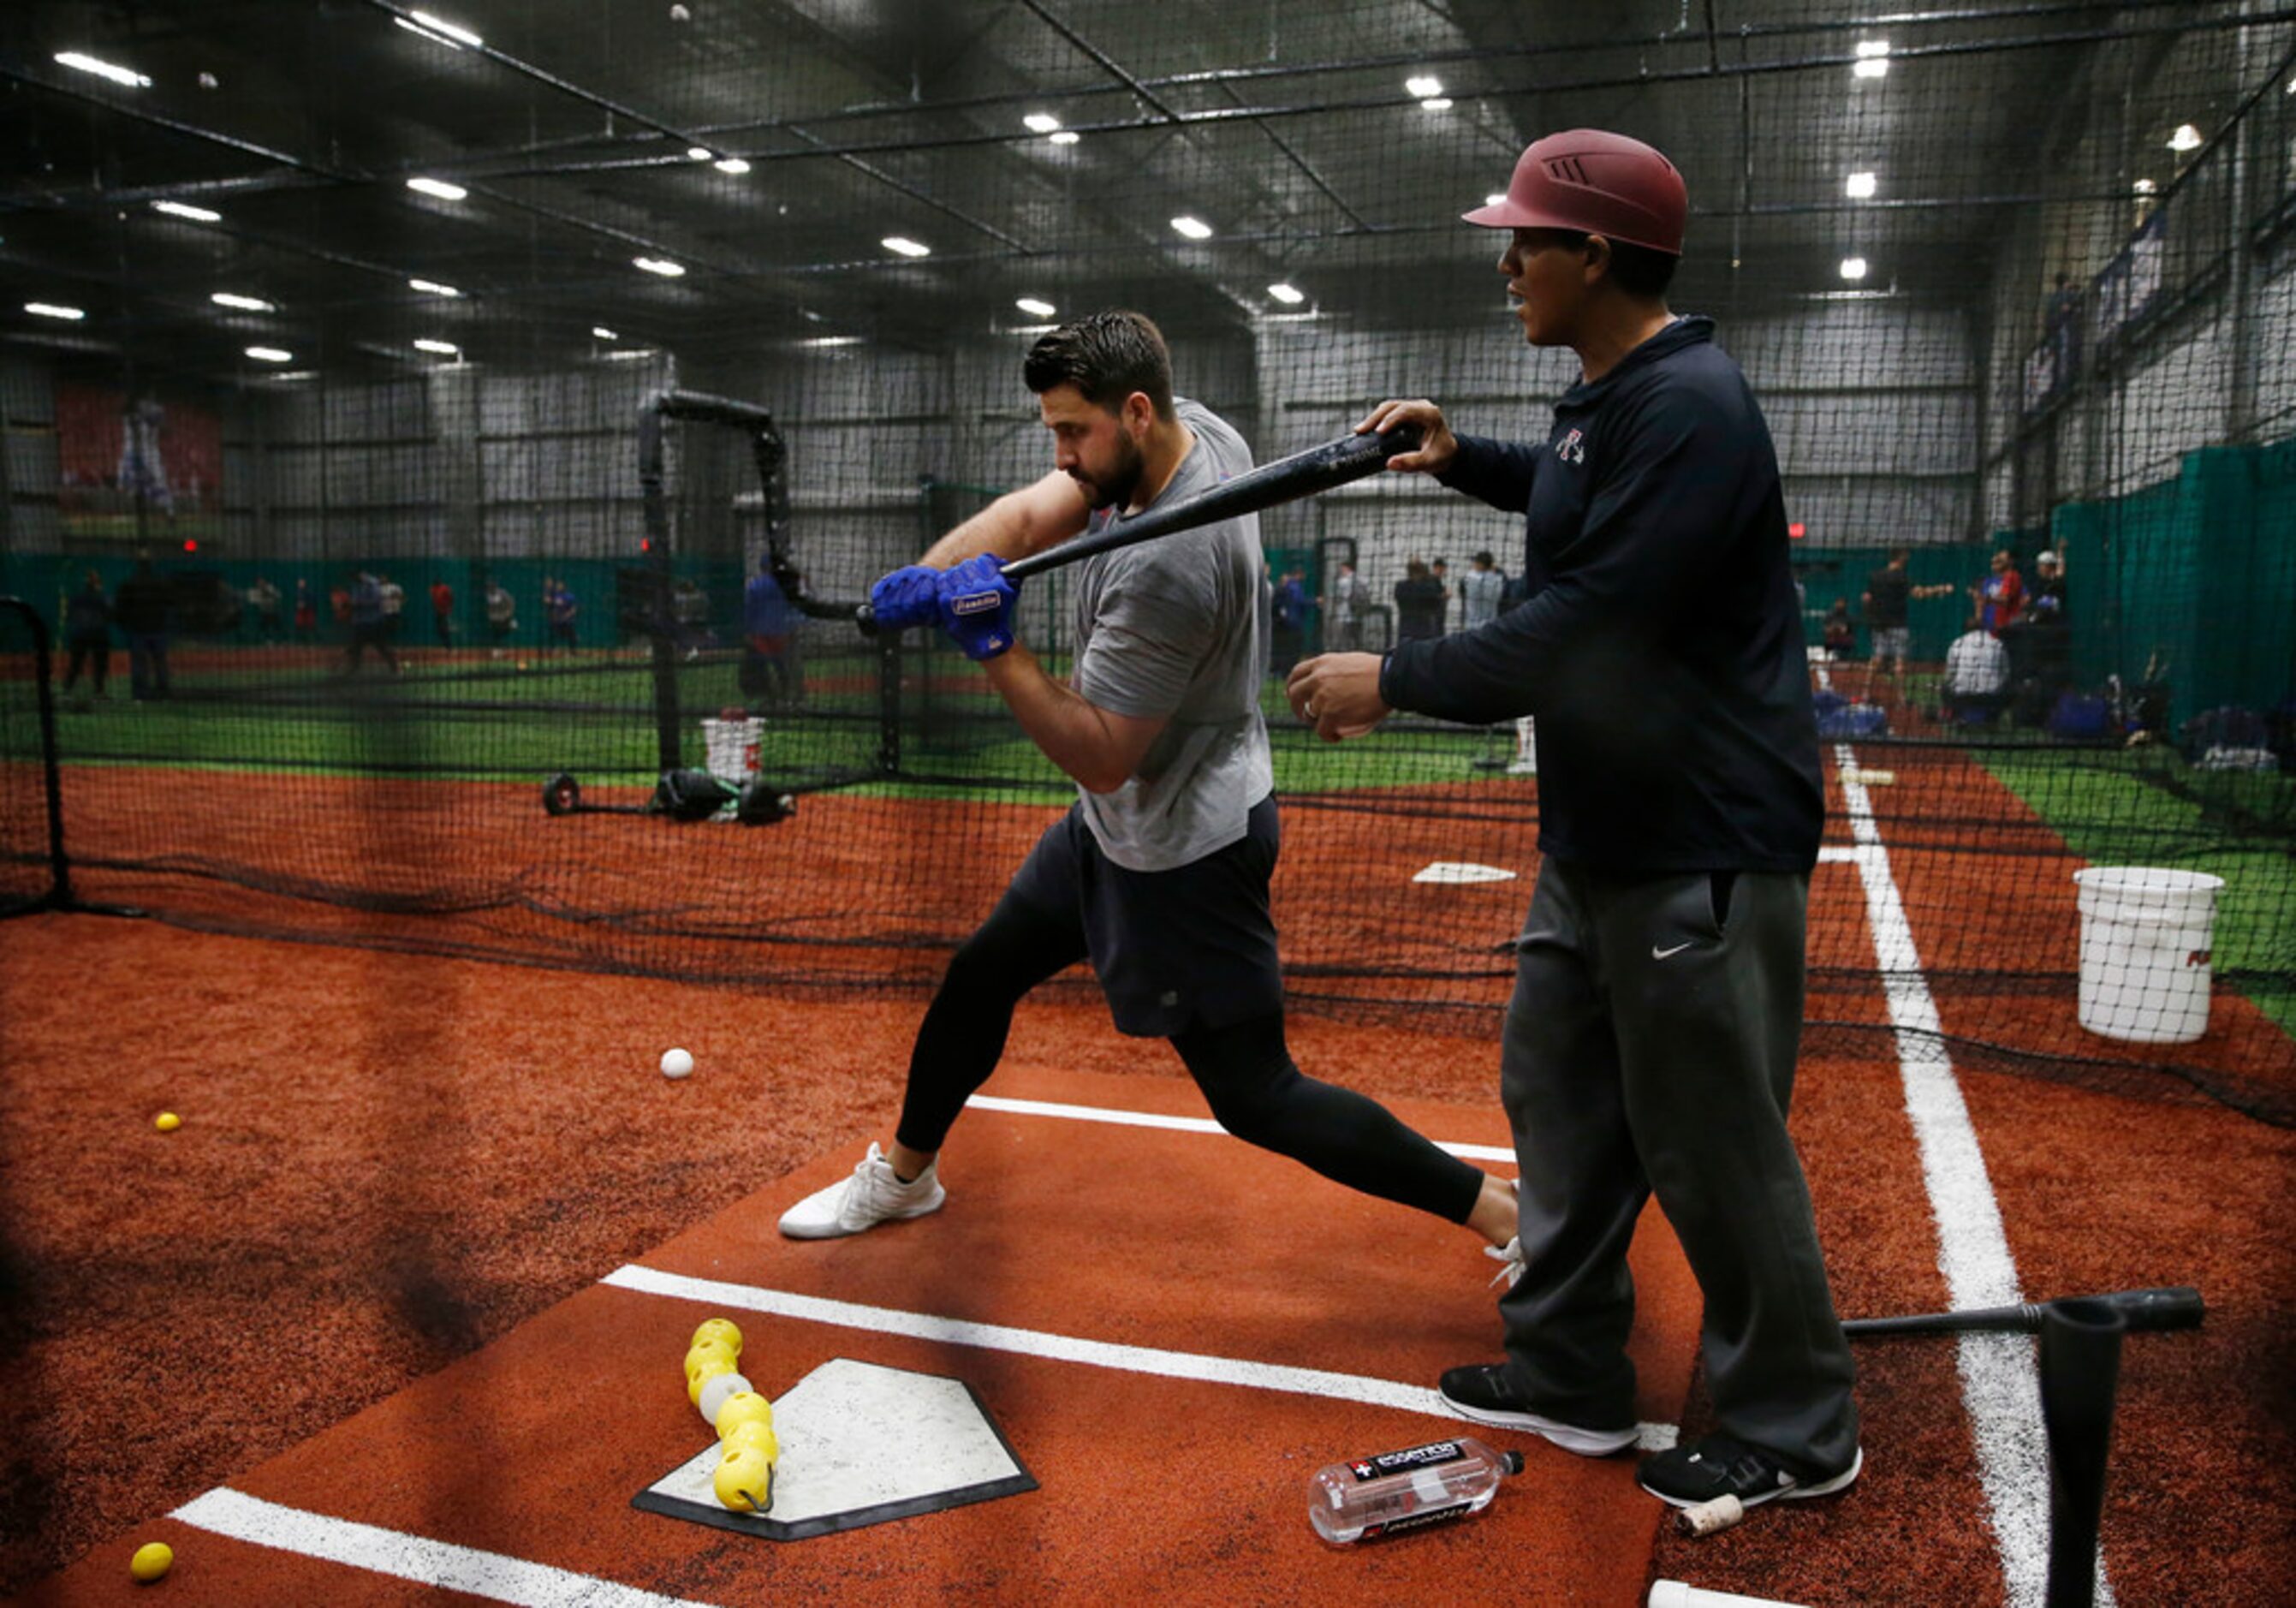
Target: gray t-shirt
(1173, 627)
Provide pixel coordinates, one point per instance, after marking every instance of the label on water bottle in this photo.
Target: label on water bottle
(1434, 1454)
(1418, 1521)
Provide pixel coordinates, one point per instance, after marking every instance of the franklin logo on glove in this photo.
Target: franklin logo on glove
(976, 607)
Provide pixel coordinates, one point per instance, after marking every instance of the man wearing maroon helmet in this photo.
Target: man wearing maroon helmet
(1651, 1039)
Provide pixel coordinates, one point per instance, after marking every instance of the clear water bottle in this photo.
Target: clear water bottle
(1409, 1490)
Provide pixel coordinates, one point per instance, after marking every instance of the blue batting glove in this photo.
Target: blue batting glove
(909, 596)
(976, 607)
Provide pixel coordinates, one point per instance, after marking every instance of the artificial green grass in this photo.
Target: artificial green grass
(2119, 809)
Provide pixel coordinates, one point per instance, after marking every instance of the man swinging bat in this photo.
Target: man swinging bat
(1160, 873)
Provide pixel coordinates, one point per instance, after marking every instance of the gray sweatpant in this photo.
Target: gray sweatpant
(1650, 1047)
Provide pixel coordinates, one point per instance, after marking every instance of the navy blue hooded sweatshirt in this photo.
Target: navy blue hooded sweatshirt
(1660, 643)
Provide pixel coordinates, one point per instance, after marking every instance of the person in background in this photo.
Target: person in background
(1839, 633)
(141, 610)
(1439, 571)
(2000, 597)
(87, 633)
(1346, 616)
(1976, 678)
(370, 626)
(1288, 618)
(442, 611)
(394, 608)
(502, 615)
(307, 615)
(560, 610)
(1886, 590)
(1480, 592)
(263, 597)
(1418, 603)
(770, 674)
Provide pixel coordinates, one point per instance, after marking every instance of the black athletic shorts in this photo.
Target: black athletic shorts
(1192, 947)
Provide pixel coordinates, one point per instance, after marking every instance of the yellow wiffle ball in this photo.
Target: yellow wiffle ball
(743, 1407)
(752, 1435)
(167, 1122)
(152, 1560)
(712, 1367)
(702, 1352)
(719, 1329)
(744, 1482)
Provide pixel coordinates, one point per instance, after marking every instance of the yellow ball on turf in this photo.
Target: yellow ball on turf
(718, 1363)
(152, 1560)
(744, 1482)
(167, 1122)
(752, 1434)
(719, 1329)
(745, 1407)
(698, 1354)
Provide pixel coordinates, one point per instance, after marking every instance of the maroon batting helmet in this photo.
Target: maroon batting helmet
(1595, 183)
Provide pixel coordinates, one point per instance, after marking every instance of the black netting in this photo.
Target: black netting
(371, 320)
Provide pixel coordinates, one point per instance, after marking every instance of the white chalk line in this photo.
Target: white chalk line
(1186, 1125)
(1154, 1361)
(442, 1565)
(2000, 1382)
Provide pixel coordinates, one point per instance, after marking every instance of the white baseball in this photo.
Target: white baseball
(675, 1063)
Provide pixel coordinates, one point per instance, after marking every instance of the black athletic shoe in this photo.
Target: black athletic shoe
(1723, 1465)
(1485, 1394)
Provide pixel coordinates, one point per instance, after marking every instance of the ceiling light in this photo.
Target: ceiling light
(421, 32)
(438, 187)
(1194, 228)
(1873, 58)
(2145, 186)
(1853, 267)
(103, 70)
(49, 309)
(245, 304)
(1036, 308)
(629, 354)
(270, 354)
(1065, 137)
(1425, 86)
(454, 35)
(661, 266)
(1040, 122)
(444, 349)
(599, 331)
(699, 153)
(1290, 295)
(2185, 138)
(832, 340)
(1860, 186)
(433, 287)
(198, 215)
(905, 246)
(1436, 103)
(1496, 198)
(731, 164)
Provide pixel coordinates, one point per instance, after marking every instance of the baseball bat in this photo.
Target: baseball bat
(2081, 1376)
(2140, 1310)
(1287, 480)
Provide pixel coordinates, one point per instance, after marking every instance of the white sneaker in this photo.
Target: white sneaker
(1509, 1257)
(871, 1196)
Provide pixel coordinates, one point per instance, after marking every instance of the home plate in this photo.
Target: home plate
(1463, 870)
(860, 1444)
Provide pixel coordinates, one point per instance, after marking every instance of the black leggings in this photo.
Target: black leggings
(1254, 1089)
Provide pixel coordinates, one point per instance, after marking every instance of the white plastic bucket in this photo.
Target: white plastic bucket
(2144, 952)
(732, 746)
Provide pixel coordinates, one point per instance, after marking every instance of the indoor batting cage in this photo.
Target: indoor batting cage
(448, 455)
